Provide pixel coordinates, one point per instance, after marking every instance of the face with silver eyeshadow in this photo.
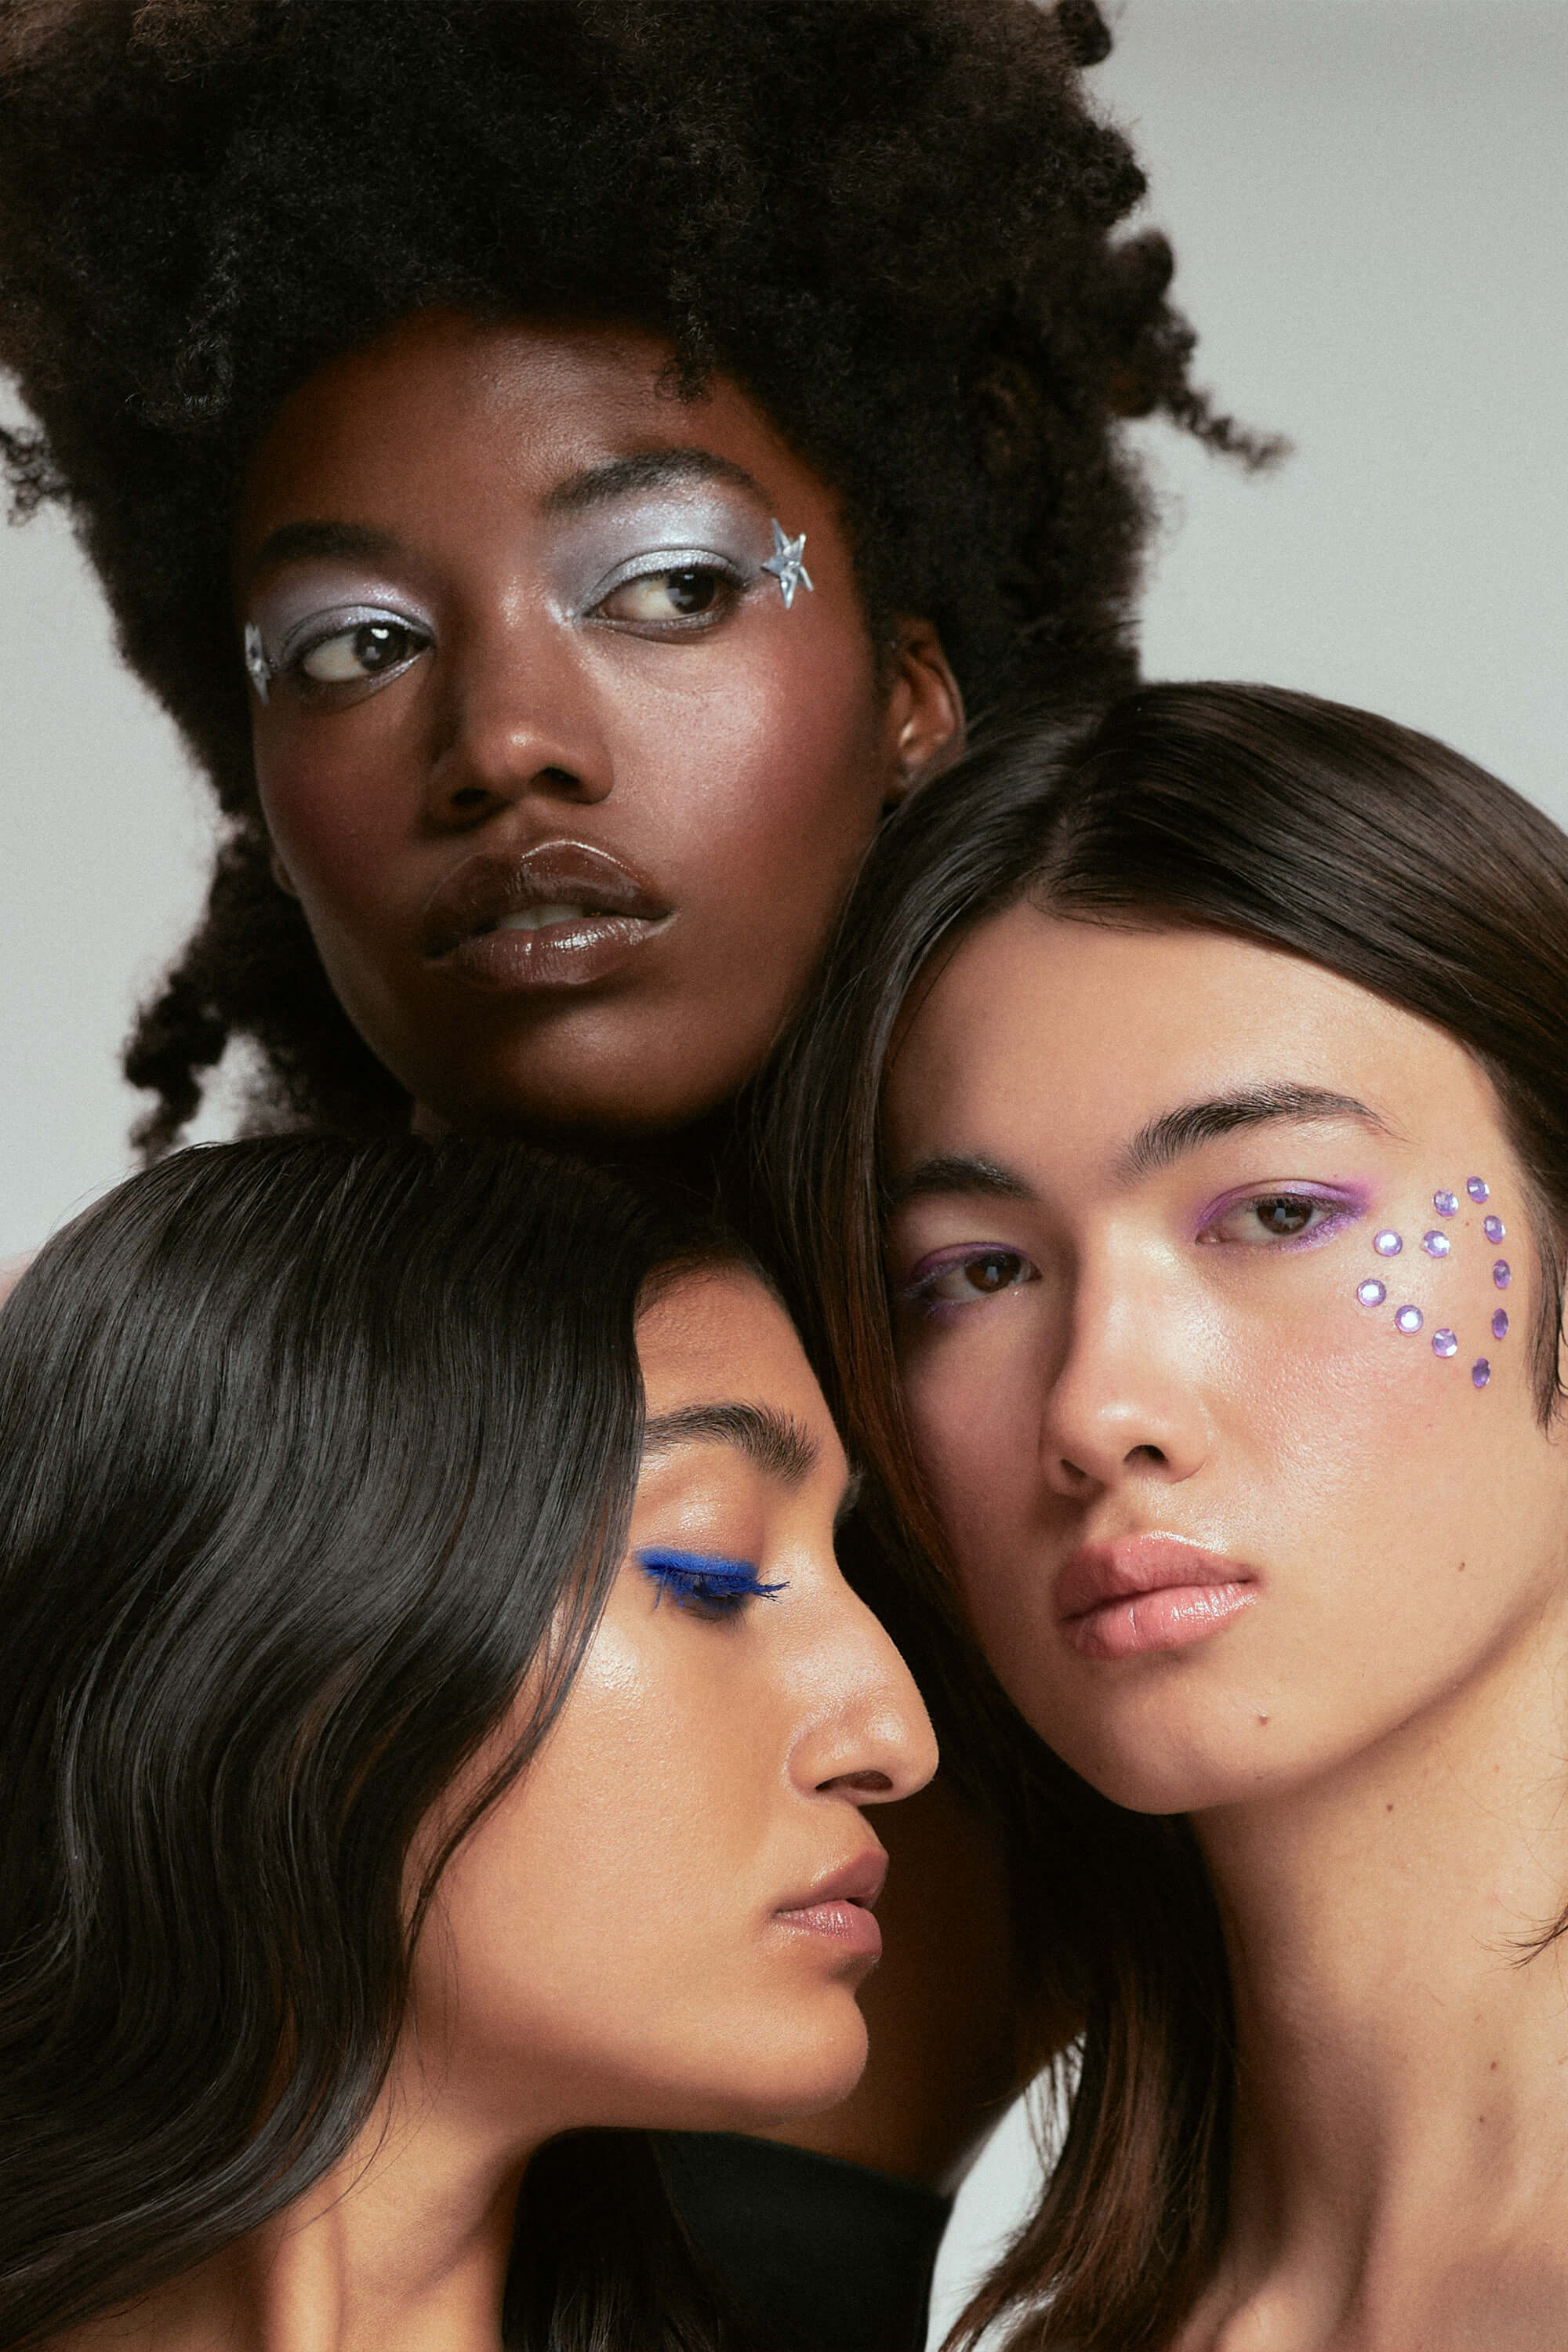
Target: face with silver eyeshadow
(1216, 1295)
(569, 731)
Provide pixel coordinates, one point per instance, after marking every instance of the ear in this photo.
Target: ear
(925, 710)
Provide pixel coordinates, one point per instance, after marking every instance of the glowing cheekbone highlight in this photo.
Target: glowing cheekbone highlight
(706, 1577)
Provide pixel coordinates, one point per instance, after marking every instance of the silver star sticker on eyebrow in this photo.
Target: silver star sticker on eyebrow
(786, 564)
(256, 661)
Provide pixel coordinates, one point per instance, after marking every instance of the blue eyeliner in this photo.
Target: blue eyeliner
(707, 1579)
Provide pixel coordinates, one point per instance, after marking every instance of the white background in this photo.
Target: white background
(1370, 206)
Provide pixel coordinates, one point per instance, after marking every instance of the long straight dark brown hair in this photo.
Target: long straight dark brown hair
(1379, 855)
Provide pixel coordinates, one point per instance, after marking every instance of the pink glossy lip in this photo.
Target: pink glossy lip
(462, 929)
(1143, 1593)
(839, 1906)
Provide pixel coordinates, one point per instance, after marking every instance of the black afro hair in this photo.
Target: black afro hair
(891, 220)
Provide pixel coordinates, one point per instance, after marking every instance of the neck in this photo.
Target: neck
(403, 2247)
(1401, 2037)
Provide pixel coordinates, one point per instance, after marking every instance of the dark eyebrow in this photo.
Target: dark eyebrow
(779, 1446)
(646, 470)
(955, 1172)
(296, 542)
(1177, 1131)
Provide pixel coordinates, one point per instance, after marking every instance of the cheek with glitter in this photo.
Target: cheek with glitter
(1446, 1204)
(1502, 1274)
(1480, 1372)
(1493, 1228)
(1444, 1343)
(1478, 1188)
(1387, 1245)
(1409, 1319)
(1435, 1244)
(1500, 1324)
(1371, 1293)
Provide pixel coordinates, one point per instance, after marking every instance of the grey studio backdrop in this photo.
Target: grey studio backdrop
(1371, 215)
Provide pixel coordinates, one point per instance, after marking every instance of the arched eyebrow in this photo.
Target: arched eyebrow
(775, 1442)
(645, 469)
(300, 542)
(1175, 1132)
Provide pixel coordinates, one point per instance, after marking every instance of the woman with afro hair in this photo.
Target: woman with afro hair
(568, 466)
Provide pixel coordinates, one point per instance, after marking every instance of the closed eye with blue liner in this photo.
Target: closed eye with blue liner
(706, 1581)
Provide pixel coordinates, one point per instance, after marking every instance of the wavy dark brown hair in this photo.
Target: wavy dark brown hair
(1365, 848)
(313, 1455)
(891, 220)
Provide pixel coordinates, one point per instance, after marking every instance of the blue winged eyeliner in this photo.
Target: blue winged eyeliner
(707, 1579)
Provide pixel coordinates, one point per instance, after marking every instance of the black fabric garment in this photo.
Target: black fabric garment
(818, 2255)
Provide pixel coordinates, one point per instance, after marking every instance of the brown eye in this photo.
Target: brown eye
(365, 651)
(983, 1276)
(689, 593)
(1285, 1214)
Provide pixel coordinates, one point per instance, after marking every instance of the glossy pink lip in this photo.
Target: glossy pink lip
(839, 1906)
(1148, 1593)
(461, 928)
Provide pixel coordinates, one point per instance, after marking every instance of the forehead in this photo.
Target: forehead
(1068, 1035)
(720, 1336)
(444, 406)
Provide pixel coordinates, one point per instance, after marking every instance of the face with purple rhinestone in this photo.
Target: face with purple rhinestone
(1202, 1254)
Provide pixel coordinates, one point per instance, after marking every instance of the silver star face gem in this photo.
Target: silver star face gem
(786, 564)
(256, 661)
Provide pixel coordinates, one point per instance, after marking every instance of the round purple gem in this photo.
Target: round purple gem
(1493, 1228)
(1410, 1318)
(1500, 1324)
(1446, 1204)
(1480, 1372)
(1435, 1244)
(1478, 1188)
(1445, 1344)
(1502, 1274)
(1387, 1245)
(1371, 1293)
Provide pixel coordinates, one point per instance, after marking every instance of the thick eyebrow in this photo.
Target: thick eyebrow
(297, 543)
(777, 1443)
(646, 470)
(1184, 1129)
(955, 1172)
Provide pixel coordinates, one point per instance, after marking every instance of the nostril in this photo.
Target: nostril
(560, 779)
(472, 796)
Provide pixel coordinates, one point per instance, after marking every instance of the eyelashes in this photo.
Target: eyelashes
(706, 1582)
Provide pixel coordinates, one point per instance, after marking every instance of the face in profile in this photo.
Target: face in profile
(1216, 1294)
(568, 780)
(665, 1919)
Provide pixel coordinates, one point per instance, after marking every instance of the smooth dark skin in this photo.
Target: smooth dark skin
(743, 767)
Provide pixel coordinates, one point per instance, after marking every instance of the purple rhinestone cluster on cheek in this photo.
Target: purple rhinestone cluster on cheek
(1409, 1319)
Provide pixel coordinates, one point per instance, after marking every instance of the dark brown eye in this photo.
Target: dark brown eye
(688, 593)
(365, 651)
(1287, 1213)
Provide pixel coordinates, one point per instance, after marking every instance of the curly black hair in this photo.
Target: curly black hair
(889, 220)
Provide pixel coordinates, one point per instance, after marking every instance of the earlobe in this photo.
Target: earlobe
(925, 710)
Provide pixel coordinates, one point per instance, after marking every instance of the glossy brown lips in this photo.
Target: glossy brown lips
(460, 930)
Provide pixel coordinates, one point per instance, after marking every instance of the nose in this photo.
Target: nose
(1125, 1400)
(521, 723)
(869, 1737)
